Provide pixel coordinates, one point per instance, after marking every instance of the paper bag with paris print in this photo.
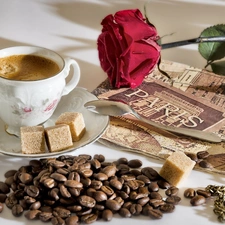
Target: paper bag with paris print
(196, 99)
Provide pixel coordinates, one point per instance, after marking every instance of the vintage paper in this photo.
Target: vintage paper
(194, 99)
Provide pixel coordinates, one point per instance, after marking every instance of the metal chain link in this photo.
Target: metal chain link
(219, 203)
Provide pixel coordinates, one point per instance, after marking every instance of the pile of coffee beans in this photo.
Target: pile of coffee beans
(82, 189)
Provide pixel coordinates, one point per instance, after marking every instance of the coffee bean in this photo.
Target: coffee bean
(49, 183)
(85, 181)
(146, 210)
(134, 163)
(25, 178)
(54, 193)
(99, 157)
(135, 209)
(84, 166)
(45, 216)
(155, 195)
(84, 211)
(155, 214)
(100, 196)
(204, 193)
(87, 201)
(89, 218)
(64, 191)
(4, 188)
(153, 186)
(11, 200)
(2, 197)
(172, 191)
(155, 203)
(112, 205)
(189, 193)
(74, 208)
(143, 201)
(124, 212)
(109, 170)
(86, 172)
(144, 178)
(72, 220)
(20, 193)
(1, 207)
(163, 184)
(192, 156)
(152, 174)
(108, 190)
(32, 214)
(10, 173)
(57, 221)
(95, 163)
(58, 177)
(61, 212)
(123, 169)
(122, 160)
(73, 184)
(202, 154)
(35, 205)
(100, 176)
(17, 210)
(9, 180)
(74, 176)
(115, 183)
(46, 209)
(128, 177)
(173, 199)
(57, 164)
(29, 200)
(98, 207)
(135, 172)
(84, 156)
(167, 208)
(96, 184)
(64, 171)
(133, 184)
(198, 200)
(107, 215)
(205, 164)
(23, 203)
(67, 201)
(35, 163)
(32, 191)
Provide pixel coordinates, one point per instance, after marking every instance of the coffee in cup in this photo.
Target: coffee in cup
(32, 86)
(27, 67)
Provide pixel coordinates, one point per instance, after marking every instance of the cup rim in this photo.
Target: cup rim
(36, 47)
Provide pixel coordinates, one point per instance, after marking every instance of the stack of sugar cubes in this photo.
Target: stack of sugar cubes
(69, 127)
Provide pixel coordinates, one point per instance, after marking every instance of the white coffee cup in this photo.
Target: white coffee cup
(30, 103)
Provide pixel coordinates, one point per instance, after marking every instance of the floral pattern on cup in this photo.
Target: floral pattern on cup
(25, 111)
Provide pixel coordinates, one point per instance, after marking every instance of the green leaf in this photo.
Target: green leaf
(218, 67)
(212, 51)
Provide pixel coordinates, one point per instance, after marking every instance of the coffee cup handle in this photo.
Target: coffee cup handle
(75, 76)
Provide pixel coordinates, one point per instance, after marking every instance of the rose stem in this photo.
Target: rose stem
(193, 41)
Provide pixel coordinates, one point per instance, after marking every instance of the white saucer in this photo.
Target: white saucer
(95, 125)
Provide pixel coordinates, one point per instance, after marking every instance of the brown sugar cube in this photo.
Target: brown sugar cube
(32, 139)
(76, 123)
(58, 137)
(176, 168)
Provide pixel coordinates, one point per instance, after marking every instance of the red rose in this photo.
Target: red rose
(127, 48)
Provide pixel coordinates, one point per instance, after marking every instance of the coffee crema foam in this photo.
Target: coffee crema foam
(27, 67)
